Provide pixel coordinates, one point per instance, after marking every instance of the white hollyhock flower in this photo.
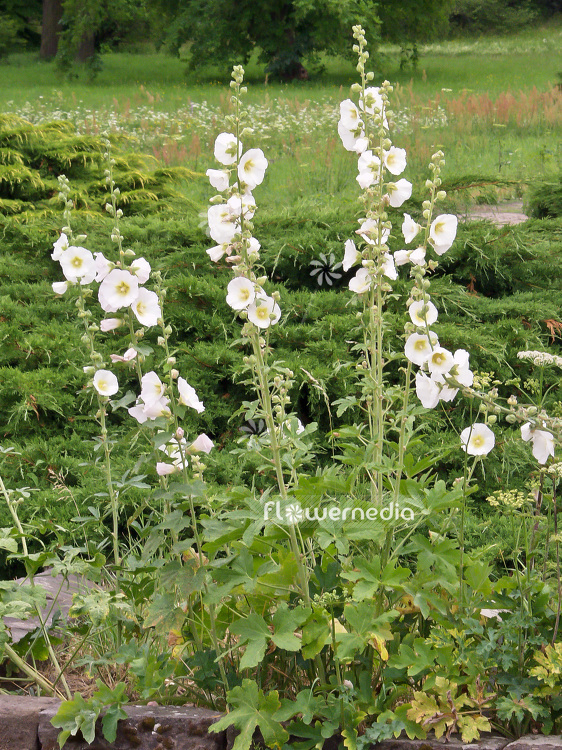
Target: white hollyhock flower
(261, 311)
(447, 392)
(152, 388)
(361, 144)
(351, 256)
(368, 160)
(110, 324)
(440, 361)
(398, 192)
(59, 287)
(419, 347)
(442, 232)
(239, 204)
(225, 149)
(118, 289)
(105, 383)
(543, 442)
(423, 313)
(240, 293)
(361, 282)
(215, 253)
(103, 266)
(163, 469)
(78, 265)
(416, 257)
(477, 440)
(373, 100)
(366, 179)
(410, 228)
(349, 115)
(369, 230)
(388, 267)
(188, 396)
(350, 139)
(395, 160)
(140, 268)
(59, 246)
(427, 390)
(252, 166)
(147, 308)
(222, 227)
(201, 444)
(461, 370)
(141, 412)
(218, 179)
(127, 357)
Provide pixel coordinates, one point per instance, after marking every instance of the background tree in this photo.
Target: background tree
(286, 33)
(413, 22)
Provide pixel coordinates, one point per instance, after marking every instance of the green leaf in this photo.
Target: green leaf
(285, 622)
(316, 633)
(306, 703)
(253, 632)
(109, 722)
(251, 709)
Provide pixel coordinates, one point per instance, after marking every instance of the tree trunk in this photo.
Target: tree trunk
(52, 13)
(87, 48)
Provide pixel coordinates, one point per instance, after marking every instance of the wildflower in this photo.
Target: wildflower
(201, 444)
(423, 313)
(225, 148)
(252, 166)
(140, 267)
(152, 388)
(361, 282)
(478, 439)
(127, 357)
(398, 192)
(241, 293)
(540, 359)
(60, 287)
(78, 265)
(105, 383)
(263, 312)
(351, 255)
(188, 396)
(442, 232)
(395, 160)
(118, 289)
(147, 308)
(419, 347)
(410, 228)
(218, 179)
(543, 442)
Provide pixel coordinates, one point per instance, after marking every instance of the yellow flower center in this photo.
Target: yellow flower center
(77, 261)
(262, 312)
(477, 441)
(122, 288)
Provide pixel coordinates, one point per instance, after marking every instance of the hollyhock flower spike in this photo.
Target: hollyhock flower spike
(478, 439)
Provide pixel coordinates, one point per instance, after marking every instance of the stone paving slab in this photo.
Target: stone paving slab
(19, 721)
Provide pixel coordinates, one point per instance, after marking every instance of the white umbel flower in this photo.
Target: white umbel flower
(240, 294)
(478, 439)
(105, 383)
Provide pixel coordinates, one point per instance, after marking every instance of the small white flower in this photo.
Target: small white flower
(477, 440)
(110, 324)
(423, 313)
(361, 282)
(225, 149)
(152, 388)
(543, 442)
(147, 308)
(440, 361)
(395, 160)
(60, 287)
(398, 192)
(105, 383)
(222, 227)
(264, 312)
(241, 293)
(351, 255)
(188, 396)
(59, 246)
(78, 265)
(419, 347)
(218, 179)
(140, 268)
(201, 444)
(410, 228)
(349, 115)
(252, 166)
(118, 289)
(442, 232)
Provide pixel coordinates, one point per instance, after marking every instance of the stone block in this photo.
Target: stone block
(19, 721)
(536, 742)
